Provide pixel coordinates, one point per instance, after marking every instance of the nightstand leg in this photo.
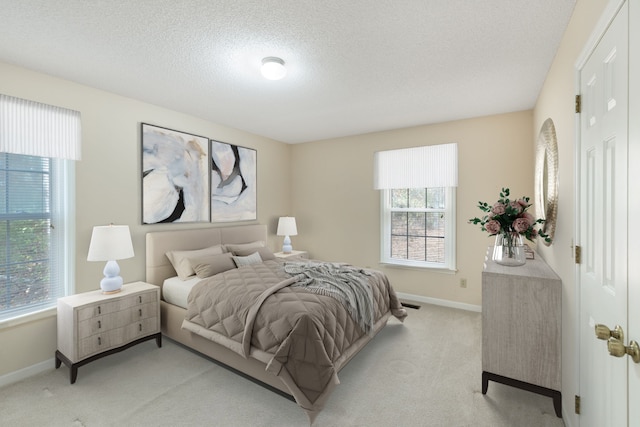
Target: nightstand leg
(485, 382)
(557, 403)
(159, 340)
(73, 374)
(58, 361)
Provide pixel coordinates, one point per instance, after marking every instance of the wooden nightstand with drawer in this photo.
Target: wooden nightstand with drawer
(292, 254)
(92, 325)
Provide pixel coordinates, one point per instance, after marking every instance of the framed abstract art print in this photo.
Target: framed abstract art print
(175, 176)
(233, 183)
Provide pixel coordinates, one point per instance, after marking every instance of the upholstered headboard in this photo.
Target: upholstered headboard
(158, 243)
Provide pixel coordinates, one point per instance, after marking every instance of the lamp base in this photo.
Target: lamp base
(286, 247)
(111, 283)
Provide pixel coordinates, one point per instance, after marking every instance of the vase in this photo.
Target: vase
(509, 250)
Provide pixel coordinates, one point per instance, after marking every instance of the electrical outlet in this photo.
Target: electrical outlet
(463, 283)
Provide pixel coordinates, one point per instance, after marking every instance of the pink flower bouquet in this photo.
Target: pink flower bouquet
(509, 216)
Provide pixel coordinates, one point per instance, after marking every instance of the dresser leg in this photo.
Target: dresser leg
(159, 340)
(557, 403)
(58, 361)
(73, 374)
(554, 394)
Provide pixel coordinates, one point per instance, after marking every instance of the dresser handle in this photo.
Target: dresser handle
(99, 325)
(140, 298)
(99, 341)
(140, 312)
(140, 327)
(99, 311)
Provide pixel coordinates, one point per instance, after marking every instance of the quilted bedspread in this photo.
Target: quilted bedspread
(303, 337)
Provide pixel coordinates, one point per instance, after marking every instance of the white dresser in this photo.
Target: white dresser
(93, 325)
(521, 328)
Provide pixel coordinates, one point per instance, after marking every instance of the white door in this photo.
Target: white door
(634, 206)
(602, 229)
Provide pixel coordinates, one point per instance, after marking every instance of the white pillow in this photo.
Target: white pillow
(254, 258)
(181, 263)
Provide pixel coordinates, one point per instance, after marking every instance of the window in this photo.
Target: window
(33, 261)
(418, 227)
(418, 205)
(38, 144)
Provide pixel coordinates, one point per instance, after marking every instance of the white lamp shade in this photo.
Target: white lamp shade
(110, 242)
(287, 226)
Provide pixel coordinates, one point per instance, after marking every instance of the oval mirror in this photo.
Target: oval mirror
(546, 179)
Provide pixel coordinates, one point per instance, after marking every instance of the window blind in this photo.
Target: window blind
(430, 166)
(30, 258)
(35, 129)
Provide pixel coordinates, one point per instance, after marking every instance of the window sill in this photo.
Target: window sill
(443, 270)
(27, 318)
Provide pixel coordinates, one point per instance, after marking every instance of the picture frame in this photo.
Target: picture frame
(175, 176)
(233, 182)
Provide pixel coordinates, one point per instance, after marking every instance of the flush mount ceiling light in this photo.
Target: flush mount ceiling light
(273, 68)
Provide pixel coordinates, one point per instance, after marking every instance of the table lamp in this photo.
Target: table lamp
(110, 243)
(287, 227)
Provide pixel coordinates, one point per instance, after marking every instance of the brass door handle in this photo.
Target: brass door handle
(604, 333)
(618, 349)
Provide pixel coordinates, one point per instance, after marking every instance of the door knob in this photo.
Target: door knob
(618, 349)
(604, 333)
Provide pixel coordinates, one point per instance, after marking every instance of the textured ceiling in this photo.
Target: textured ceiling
(354, 66)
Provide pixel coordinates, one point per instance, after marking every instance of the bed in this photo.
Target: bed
(302, 361)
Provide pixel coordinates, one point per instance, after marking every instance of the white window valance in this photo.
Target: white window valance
(35, 129)
(418, 167)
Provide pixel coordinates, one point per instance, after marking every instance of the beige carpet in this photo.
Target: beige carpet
(425, 372)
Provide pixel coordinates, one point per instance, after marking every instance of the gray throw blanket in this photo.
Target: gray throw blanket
(345, 283)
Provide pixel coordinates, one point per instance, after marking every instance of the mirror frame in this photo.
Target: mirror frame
(546, 178)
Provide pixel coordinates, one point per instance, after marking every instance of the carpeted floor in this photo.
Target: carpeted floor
(425, 372)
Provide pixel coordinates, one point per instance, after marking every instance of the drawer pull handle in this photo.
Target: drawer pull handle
(140, 312)
(140, 298)
(99, 310)
(99, 341)
(140, 327)
(99, 324)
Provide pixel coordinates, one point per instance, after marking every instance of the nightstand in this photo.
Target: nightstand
(92, 325)
(292, 254)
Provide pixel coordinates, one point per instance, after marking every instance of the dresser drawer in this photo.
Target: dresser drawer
(141, 328)
(120, 304)
(99, 324)
(97, 309)
(100, 342)
(143, 311)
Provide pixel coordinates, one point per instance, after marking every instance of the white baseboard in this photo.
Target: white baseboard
(29, 371)
(442, 302)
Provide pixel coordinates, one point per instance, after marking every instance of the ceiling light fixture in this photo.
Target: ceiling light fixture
(273, 68)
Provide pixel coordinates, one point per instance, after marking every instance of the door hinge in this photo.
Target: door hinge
(578, 254)
(577, 408)
(578, 104)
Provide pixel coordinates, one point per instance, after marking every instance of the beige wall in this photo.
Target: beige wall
(338, 212)
(108, 185)
(557, 101)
